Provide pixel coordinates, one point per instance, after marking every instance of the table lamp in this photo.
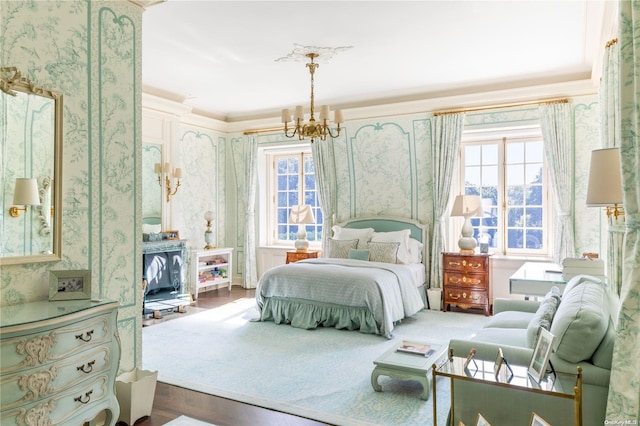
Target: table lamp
(467, 206)
(208, 234)
(605, 182)
(301, 215)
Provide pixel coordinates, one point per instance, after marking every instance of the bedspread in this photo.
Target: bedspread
(388, 291)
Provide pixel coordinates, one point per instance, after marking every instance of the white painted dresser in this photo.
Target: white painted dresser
(58, 362)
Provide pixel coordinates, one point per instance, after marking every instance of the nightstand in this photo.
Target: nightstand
(294, 256)
(466, 281)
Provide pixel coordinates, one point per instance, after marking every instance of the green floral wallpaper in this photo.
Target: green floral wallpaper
(89, 51)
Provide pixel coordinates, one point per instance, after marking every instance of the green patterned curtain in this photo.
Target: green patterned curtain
(251, 179)
(445, 152)
(326, 185)
(624, 391)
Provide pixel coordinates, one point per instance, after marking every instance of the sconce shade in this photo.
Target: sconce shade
(605, 184)
(301, 213)
(26, 192)
(208, 216)
(467, 206)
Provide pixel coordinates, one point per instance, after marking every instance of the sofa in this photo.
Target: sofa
(582, 321)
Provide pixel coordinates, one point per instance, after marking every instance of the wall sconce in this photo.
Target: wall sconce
(168, 177)
(208, 234)
(301, 215)
(467, 206)
(25, 194)
(605, 182)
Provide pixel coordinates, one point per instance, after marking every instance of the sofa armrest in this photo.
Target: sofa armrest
(487, 351)
(591, 374)
(502, 305)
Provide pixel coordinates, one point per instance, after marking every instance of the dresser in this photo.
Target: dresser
(294, 255)
(465, 281)
(58, 362)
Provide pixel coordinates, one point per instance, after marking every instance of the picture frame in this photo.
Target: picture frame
(536, 420)
(541, 353)
(481, 421)
(172, 234)
(499, 362)
(470, 357)
(70, 285)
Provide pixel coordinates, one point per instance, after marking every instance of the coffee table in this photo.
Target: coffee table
(408, 366)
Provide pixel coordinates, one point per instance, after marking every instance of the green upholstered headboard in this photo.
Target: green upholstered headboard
(418, 230)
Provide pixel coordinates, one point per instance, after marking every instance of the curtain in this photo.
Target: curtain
(556, 121)
(326, 185)
(624, 389)
(609, 101)
(445, 152)
(251, 181)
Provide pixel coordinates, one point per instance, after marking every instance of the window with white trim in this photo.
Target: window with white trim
(509, 174)
(292, 181)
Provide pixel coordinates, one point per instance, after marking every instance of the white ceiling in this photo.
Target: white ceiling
(219, 57)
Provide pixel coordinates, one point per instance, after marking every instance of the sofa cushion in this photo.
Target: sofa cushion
(604, 353)
(510, 319)
(580, 279)
(502, 336)
(580, 322)
(543, 316)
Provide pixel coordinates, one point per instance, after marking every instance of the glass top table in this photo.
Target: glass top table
(536, 279)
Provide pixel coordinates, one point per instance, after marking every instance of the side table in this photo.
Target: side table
(294, 255)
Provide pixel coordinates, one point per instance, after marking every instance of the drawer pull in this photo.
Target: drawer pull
(86, 400)
(475, 266)
(88, 369)
(454, 280)
(89, 335)
(454, 263)
(454, 296)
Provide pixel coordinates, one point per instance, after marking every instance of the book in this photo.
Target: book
(416, 348)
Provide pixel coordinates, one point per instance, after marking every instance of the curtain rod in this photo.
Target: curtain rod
(253, 132)
(511, 105)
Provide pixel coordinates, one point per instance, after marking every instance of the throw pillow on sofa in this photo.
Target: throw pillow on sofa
(581, 321)
(543, 316)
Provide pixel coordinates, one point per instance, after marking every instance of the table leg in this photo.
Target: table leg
(374, 380)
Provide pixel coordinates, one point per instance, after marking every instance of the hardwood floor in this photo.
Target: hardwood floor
(171, 402)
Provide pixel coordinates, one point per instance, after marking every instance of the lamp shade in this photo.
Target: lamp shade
(301, 213)
(605, 184)
(467, 206)
(26, 192)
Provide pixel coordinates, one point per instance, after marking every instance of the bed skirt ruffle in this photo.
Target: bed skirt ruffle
(301, 314)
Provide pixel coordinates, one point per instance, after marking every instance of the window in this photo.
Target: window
(509, 175)
(292, 182)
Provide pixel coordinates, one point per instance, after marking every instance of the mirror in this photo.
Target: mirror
(152, 205)
(31, 135)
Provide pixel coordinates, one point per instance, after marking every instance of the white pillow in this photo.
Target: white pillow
(415, 251)
(151, 229)
(401, 237)
(362, 235)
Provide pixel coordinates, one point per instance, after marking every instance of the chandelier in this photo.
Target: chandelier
(312, 130)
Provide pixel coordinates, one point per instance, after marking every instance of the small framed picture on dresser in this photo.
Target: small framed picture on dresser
(70, 285)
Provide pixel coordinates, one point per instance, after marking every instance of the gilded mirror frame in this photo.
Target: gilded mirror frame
(11, 82)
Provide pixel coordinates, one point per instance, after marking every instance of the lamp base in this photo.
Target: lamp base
(301, 244)
(467, 244)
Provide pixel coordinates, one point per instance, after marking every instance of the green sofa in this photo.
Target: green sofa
(580, 319)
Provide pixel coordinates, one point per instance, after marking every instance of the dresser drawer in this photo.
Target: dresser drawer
(465, 264)
(37, 383)
(464, 297)
(478, 281)
(31, 350)
(61, 408)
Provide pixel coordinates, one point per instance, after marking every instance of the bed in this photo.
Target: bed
(356, 285)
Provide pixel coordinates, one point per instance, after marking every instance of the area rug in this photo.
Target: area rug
(187, 421)
(322, 374)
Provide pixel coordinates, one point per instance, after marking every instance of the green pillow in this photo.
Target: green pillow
(359, 254)
(543, 316)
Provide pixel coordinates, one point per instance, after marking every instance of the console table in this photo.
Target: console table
(58, 362)
(536, 279)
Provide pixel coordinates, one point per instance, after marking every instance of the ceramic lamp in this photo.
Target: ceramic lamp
(301, 215)
(467, 206)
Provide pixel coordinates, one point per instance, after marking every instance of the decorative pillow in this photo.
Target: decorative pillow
(543, 316)
(362, 235)
(340, 248)
(580, 322)
(359, 254)
(401, 237)
(385, 252)
(415, 251)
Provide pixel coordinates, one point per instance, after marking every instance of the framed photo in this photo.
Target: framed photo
(70, 285)
(481, 421)
(541, 354)
(172, 234)
(499, 362)
(536, 420)
(470, 356)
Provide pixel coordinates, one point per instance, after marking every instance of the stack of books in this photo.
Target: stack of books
(572, 266)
